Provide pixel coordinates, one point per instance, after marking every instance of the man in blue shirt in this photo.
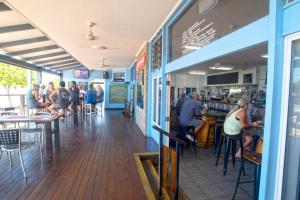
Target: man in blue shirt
(190, 108)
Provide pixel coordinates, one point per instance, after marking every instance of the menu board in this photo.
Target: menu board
(208, 20)
(117, 93)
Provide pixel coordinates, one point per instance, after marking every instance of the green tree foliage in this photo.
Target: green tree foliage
(12, 76)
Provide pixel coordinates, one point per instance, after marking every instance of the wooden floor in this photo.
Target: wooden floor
(95, 162)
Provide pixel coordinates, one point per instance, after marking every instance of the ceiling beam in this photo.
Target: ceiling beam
(54, 60)
(72, 67)
(68, 65)
(4, 7)
(22, 42)
(14, 28)
(34, 50)
(21, 63)
(61, 63)
(49, 55)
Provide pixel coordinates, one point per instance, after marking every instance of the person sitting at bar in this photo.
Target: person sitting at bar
(74, 96)
(189, 110)
(180, 103)
(91, 97)
(61, 98)
(236, 120)
(33, 97)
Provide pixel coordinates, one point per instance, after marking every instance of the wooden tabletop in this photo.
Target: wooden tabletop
(26, 118)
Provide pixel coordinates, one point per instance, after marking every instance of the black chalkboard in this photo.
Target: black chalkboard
(229, 78)
(207, 20)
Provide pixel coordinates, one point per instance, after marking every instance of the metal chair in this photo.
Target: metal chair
(10, 141)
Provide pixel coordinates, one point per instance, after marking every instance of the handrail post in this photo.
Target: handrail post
(160, 163)
(177, 170)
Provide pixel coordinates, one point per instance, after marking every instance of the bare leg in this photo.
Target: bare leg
(246, 144)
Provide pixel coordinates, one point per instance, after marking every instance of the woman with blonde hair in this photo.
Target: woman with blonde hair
(236, 120)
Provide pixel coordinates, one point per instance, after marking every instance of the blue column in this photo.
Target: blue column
(273, 101)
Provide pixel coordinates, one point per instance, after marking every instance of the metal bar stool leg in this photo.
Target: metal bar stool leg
(219, 149)
(239, 178)
(233, 152)
(256, 181)
(228, 144)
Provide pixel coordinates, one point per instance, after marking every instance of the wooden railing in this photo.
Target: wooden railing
(163, 163)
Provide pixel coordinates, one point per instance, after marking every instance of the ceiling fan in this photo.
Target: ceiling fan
(90, 36)
(103, 63)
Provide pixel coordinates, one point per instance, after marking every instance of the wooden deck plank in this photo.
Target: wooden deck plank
(95, 162)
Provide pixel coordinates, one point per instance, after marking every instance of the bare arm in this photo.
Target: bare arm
(52, 96)
(244, 120)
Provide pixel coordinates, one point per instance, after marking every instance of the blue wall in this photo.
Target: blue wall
(98, 74)
(281, 21)
(109, 82)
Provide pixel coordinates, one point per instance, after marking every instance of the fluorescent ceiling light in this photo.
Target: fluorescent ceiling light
(197, 73)
(265, 56)
(222, 68)
(191, 47)
(95, 46)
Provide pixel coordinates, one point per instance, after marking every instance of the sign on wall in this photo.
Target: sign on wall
(117, 93)
(208, 20)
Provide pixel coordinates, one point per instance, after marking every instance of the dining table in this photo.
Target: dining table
(46, 121)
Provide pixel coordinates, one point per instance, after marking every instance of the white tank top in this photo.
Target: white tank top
(232, 125)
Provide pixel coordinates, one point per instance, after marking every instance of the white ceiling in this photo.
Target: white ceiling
(121, 25)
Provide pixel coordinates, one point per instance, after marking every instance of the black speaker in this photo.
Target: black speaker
(105, 75)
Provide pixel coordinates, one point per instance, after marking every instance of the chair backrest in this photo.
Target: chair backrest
(8, 113)
(9, 136)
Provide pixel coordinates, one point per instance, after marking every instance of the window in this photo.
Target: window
(159, 102)
(291, 174)
(156, 101)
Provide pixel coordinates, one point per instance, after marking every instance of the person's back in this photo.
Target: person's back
(30, 99)
(90, 97)
(63, 97)
(189, 109)
(180, 103)
(74, 93)
(232, 124)
(100, 95)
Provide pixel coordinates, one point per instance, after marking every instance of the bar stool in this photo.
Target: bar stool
(230, 145)
(255, 159)
(217, 133)
(88, 107)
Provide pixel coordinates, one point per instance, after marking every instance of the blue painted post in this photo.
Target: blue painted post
(273, 101)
